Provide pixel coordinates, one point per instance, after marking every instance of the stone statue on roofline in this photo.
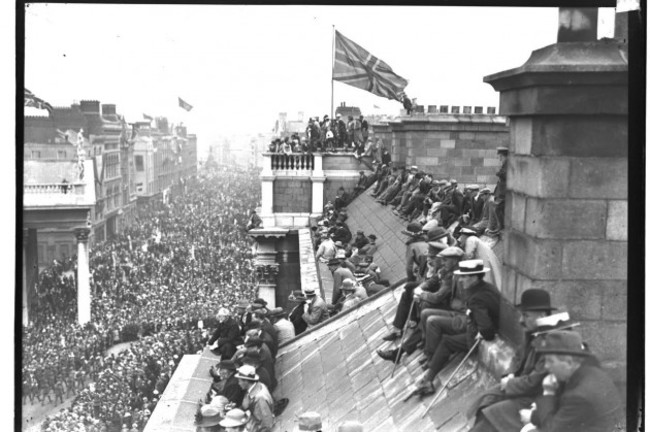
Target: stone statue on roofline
(81, 155)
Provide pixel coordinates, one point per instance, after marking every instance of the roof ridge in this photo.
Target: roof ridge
(344, 313)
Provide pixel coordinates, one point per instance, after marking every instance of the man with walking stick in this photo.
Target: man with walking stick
(483, 302)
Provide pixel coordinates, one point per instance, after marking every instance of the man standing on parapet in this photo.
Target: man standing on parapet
(497, 207)
(498, 409)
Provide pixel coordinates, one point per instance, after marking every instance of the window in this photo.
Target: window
(139, 163)
(36, 154)
(61, 154)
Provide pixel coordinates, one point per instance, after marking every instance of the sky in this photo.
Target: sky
(239, 66)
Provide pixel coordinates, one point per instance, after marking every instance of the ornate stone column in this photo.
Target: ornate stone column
(83, 275)
(266, 263)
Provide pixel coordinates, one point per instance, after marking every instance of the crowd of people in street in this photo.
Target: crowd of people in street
(156, 284)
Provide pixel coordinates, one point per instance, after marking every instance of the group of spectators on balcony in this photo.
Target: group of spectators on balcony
(157, 285)
(327, 135)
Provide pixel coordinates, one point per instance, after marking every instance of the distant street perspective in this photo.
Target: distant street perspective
(224, 239)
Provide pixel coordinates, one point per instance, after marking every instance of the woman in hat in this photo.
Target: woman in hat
(235, 420)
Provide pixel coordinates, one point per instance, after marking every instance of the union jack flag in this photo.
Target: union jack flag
(355, 66)
(32, 100)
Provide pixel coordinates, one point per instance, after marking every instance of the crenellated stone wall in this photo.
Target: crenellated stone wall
(451, 146)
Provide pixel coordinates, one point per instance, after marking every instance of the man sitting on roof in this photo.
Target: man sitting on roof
(339, 273)
(498, 409)
(314, 309)
(226, 335)
(577, 394)
(295, 316)
(483, 302)
(475, 248)
(258, 402)
(282, 325)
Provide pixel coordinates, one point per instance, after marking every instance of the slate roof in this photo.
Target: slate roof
(365, 214)
(335, 371)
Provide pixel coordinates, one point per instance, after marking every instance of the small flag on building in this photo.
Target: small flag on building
(32, 100)
(355, 66)
(184, 105)
(147, 117)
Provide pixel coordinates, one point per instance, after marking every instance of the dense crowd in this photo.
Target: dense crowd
(328, 135)
(156, 284)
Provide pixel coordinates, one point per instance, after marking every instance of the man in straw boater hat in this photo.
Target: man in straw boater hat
(577, 394)
(257, 400)
(483, 302)
(498, 408)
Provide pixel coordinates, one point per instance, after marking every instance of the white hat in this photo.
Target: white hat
(471, 267)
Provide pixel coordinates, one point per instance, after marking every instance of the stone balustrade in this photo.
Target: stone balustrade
(296, 162)
(55, 188)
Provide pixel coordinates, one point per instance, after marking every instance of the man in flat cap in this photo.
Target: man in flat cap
(282, 325)
(339, 273)
(498, 409)
(577, 394)
(360, 240)
(228, 385)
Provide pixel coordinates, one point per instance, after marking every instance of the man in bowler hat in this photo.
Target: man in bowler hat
(498, 409)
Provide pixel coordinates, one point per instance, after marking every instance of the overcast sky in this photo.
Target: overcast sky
(241, 65)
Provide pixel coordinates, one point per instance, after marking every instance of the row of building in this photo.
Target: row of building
(132, 164)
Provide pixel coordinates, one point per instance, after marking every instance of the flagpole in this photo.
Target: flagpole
(333, 55)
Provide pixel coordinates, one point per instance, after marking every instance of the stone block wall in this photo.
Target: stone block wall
(292, 195)
(461, 147)
(567, 188)
(332, 184)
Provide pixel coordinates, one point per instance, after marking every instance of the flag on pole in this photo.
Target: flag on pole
(147, 117)
(184, 105)
(355, 66)
(32, 100)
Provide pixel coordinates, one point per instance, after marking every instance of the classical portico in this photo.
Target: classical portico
(49, 203)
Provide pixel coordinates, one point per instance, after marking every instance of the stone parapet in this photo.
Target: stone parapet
(567, 182)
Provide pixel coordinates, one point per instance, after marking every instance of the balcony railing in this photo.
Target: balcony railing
(294, 162)
(55, 188)
(57, 194)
